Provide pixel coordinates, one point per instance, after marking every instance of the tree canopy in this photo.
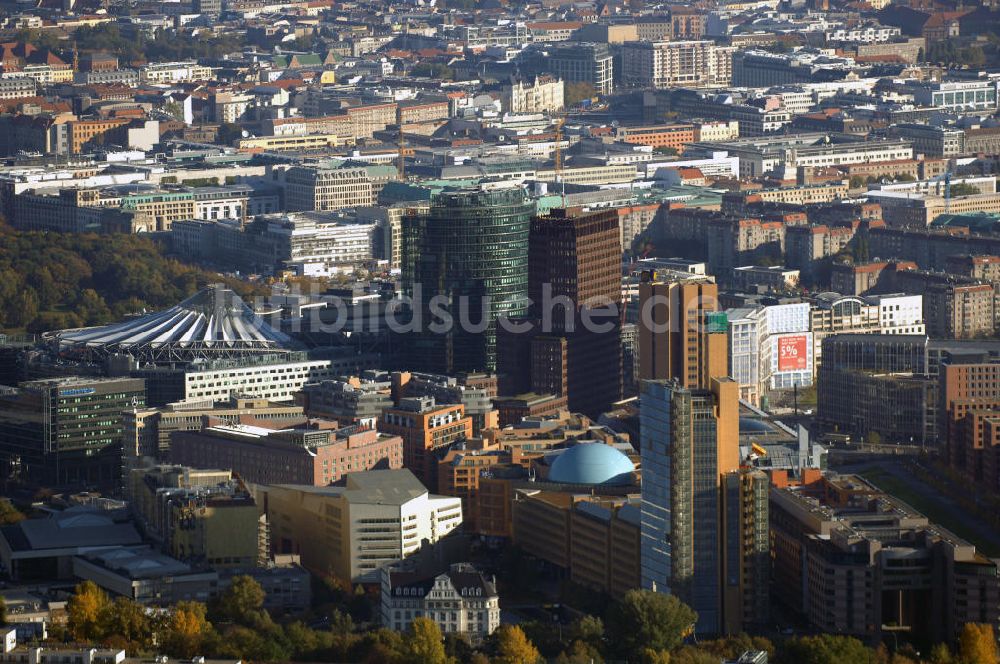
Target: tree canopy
(51, 281)
(644, 620)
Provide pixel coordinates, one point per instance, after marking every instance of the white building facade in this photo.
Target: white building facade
(460, 601)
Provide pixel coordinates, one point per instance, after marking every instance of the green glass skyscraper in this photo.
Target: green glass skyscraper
(471, 251)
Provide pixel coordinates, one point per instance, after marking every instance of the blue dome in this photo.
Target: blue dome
(592, 463)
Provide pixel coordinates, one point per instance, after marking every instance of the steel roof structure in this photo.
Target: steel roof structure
(214, 323)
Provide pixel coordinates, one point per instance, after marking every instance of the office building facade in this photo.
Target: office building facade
(574, 347)
(469, 254)
(370, 520)
(681, 333)
(67, 431)
(689, 546)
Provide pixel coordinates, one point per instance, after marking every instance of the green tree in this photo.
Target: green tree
(433, 70)
(873, 438)
(825, 649)
(590, 630)
(85, 611)
(174, 110)
(856, 182)
(940, 654)
(127, 620)
(228, 133)
(644, 619)
(378, 646)
(513, 647)
(963, 189)
(424, 642)
(241, 603)
(92, 308)
(977, 644)
(973, 56)
(23, 309)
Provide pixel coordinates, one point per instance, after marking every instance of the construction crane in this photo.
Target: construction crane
(557, 157)
(947, 192)
(401, 162)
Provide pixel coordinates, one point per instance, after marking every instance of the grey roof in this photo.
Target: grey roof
(138, 562)
(77, 527)
(382, 487)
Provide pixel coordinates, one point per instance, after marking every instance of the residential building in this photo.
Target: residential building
(315, 188)
(350, 401)
(174, 72)
(201, 518)
(851, 559)
(543, 95)
(760, 69)
(667, 64)
(272, 378)
(146, 432)
(594, 538)
(582, 62)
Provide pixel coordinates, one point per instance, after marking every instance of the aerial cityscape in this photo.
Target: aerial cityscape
(500, 331)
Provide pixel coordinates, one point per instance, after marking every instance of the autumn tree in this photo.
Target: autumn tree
(9, 514)
(574, 93)
(513, 647)
(977, 644)
(580, 652)
(85, 610)
(425, 644)
(644, 619)
(187, 630)
(940, 654)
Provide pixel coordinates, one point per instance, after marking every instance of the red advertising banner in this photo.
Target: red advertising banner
(792, 353)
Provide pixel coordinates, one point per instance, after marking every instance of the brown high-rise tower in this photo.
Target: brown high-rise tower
(682, 334)
(574, 277)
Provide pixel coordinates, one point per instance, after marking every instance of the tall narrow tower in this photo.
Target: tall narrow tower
(574, 347)
(689, 443)
(470, 252)
(682, 335)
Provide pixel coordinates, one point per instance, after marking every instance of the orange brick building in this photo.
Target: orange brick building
(424, 427)
(658, 136)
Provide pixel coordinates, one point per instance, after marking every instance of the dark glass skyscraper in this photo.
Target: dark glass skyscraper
(471, 250)
(574, 260)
